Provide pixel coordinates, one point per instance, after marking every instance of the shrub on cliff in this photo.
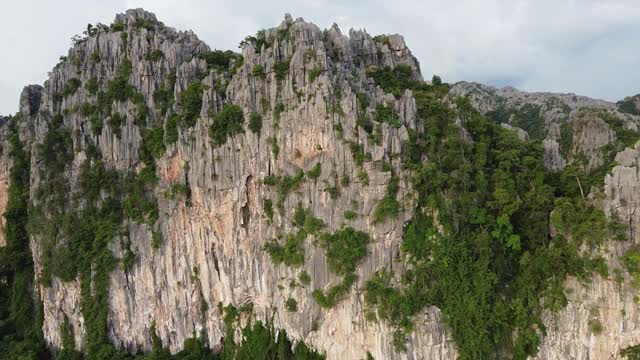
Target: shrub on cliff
(255, 122)
(226, 123)
(190, 101)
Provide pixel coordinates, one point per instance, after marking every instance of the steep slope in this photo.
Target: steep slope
(573, 128)
(583, 133)
(315, 183)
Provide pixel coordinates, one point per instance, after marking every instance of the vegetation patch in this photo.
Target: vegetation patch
(631, 262)
(163, 97)
(118, 26)
(315, 172)
(314, 73)
(291, 253)
(329, 298)
(358, 153)
(221, 60)
(154, 55)
(344, 249)
(190, 101)
(20, 316)
(386, 114)
(303, 218)
(304, 277)
(275, 148)
(226, 123)
(119, 88)
(281, 70)
(255, 122)
(92, 86)
(596, 327)
(258, 71)
(258, 41)
(291, 304)
(489, 243)
(277, 111)
(566, 139)
(630, 105)
(528, 117)
(388, 207)
(395, 80)
(171, 129)
(631, 352)
(71, 86)
(152, 146)
(284, 185)
(267, 206)
(115, 122)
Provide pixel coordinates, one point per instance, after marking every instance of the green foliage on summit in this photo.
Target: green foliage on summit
(221, 60)
(395, 80)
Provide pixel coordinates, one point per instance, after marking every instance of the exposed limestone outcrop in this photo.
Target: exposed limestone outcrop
(586, 117)
(211, 236)
(213, 241)
(611, 301)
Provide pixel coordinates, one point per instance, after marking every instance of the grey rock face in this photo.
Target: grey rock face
(213, 248)
(610, 301)
(553, 160)
(223, 232)
(30, 100)
(586, 117)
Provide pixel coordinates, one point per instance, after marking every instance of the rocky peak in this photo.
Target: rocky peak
(356, 51)
(30, 99)
(132, 17)
(140, 98)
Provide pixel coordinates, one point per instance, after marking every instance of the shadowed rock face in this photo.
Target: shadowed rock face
(5, 165)
(30, 99)
(213, 242)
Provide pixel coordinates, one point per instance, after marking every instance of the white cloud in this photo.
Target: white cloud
(582, 46)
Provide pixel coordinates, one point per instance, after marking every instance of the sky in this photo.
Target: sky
(587, 47)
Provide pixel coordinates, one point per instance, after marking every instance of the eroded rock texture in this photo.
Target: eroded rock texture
(220, 234)
(587, 121)
(213, 239)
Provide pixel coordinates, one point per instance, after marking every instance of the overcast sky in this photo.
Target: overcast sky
(589, 47)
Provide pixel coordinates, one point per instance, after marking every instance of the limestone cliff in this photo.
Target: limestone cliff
(588, 124)
(207, 245)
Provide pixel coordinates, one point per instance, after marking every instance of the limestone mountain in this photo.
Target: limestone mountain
(309, 197)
